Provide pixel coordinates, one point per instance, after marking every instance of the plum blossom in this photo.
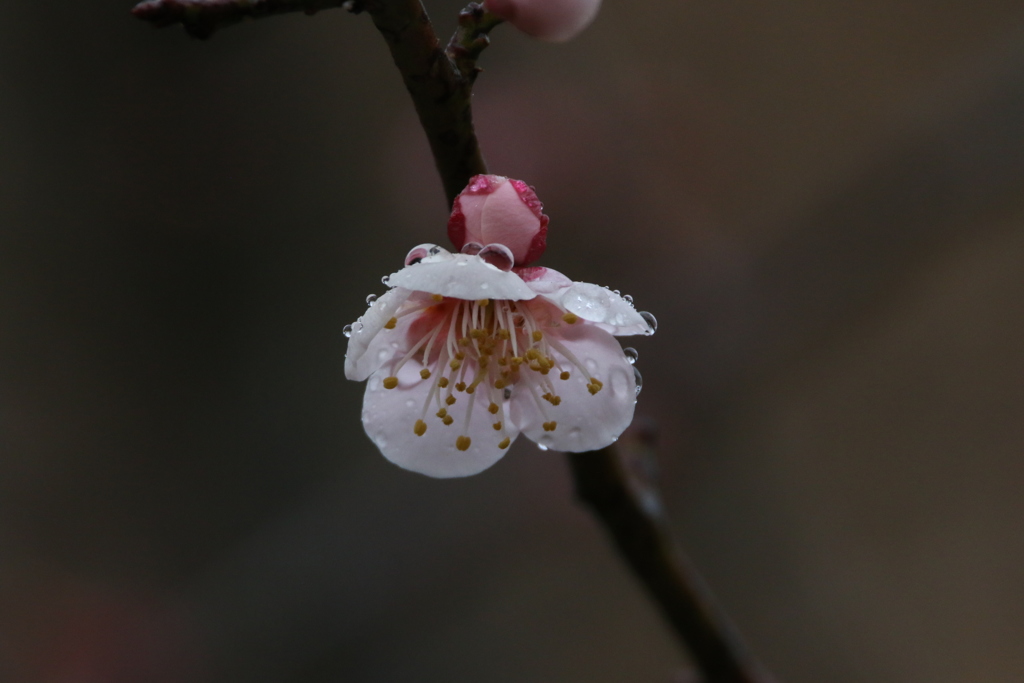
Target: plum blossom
(555, 20)
(466, 351)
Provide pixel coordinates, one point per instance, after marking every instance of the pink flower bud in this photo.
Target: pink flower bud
(498, 210)
(555, 20)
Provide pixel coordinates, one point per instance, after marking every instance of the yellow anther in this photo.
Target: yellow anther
(420, 428)
(504, 334)
(483, 360)
(441, 413)
(455, 364)
(460, 355)
(437, 297)
(504, 443)
(594, 386)
(477, 333)
(570, 318)
(564, 375)
(532, 354)
(450, 400)
(516, 360)
(443, 382)
(535, 366)
(597, 383)
(461, 386)
(503, 361)
(390, 382)
(493, 409)
(497, 426)
(550, 426)
(464, 341)
(463, 442)
(424, 373)
(499, 383)
(537, 335)
(483, 302)
(471, 388)
(447, 419)
(390, 325)
(552, 399)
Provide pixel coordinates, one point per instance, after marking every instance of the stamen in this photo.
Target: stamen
(497, 426)
(550, 426)
(463, 443)
(570, 318)
(443, 382)
(447, 419)
(493, 409)
(390, 382)
(424, 373)
(420, 428)
(390, 325)
(564, 375)
(450, 400)
(437, 297)
(505, 443)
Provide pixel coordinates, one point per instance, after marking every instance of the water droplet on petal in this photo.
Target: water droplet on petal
(542, 447)
(628, 298)
(639, 380)
(359, 326)
(591, 364)
(617, 291)
(370, 298)
(383, 355)
(347, 331)
(498, 255)
(472, 248)
(410, 403)
(652, 322)
(632, 355)
(384, 280)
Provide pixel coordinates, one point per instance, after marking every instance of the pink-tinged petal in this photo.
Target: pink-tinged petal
(462, 276)
(602, 307)
(498, 210)
(584, 421)
(363, 356)
(543, 280)
(390, 415)
(554, 20)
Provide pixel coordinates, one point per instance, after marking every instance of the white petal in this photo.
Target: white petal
(585, 421)
(462, 277)
(389, 416)
(363, 354)
(601, 306)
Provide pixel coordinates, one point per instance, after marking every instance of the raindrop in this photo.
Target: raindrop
(419, 252)
(632, 355)
(472, 248)
(628, 298)
(639, 380)
(617, 292)
(347, 331)
(410, 403)
(384, 280)
(359, 326)
(370, 299)
(542, 447)
(652, 322)
(498, 255)
(508, 393)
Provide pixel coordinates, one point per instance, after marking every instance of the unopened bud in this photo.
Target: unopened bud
(555, 20)
(498, 210)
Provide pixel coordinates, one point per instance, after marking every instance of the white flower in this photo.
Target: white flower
(464, 352)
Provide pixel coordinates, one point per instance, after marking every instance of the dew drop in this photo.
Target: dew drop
(632, 355)
(359, 326)
(542, 447)
(639, 380)
(472, 248)
(410, 403)
(385, 280)
(498, 255)
(628, 298)
(617, 292)
(652, 322)
(591, 364)
(383, 355)
(347, 331)
(370, 299)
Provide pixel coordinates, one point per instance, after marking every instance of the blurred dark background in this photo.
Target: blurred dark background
(823, 204)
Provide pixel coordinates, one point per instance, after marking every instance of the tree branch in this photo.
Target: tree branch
(202, 17)
(617, 483)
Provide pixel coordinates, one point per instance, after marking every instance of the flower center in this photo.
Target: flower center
(477, 351)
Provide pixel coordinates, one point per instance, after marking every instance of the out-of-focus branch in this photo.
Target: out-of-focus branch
(202, 17)
(618, 484)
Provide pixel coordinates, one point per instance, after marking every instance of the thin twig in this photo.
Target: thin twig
(618, 484)
(202, 17)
